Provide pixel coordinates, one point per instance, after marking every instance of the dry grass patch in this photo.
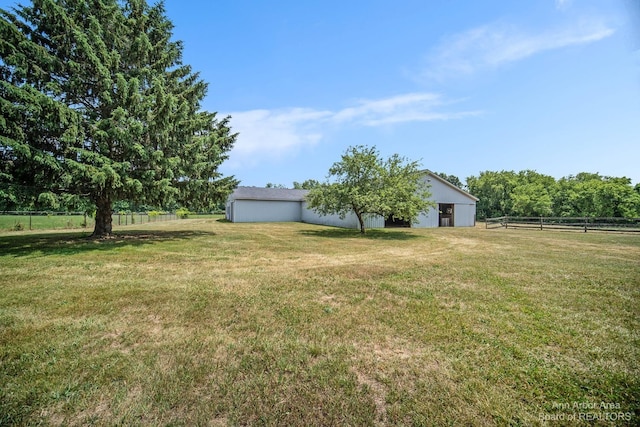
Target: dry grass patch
(202, 322)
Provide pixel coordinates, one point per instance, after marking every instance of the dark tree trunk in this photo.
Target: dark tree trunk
(103, 217)
(361, 221)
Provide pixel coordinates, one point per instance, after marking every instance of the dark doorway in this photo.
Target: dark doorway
(446, 214)
(392, 222)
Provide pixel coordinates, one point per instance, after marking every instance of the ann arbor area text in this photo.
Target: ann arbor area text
(586, 405)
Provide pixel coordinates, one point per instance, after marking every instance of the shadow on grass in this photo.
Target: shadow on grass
(346, 233)
(73, 243)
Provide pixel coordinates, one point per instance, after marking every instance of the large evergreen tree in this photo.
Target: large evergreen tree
(95, 101)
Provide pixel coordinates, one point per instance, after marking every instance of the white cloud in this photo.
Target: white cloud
(412, 107)
(491, 46)
(273, 134)
(563, 4)
(375, 112)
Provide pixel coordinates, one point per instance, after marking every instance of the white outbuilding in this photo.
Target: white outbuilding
(454, 207)
(255, 204)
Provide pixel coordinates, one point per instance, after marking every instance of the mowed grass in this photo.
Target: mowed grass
(203, 322)
(56, 221)
(44, 222)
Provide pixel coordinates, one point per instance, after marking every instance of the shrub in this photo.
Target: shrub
(183, 213)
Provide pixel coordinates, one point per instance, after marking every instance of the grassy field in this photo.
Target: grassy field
(203, 322)
(44, 222)
(58, 221)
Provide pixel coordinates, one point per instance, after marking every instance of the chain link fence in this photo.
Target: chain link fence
(43, 220)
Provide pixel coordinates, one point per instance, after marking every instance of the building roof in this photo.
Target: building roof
(444, 181)
(276, 194)
(295, 195)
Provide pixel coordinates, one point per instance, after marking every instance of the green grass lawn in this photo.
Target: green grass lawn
(203, 322)
(57, 221)
(44, 222)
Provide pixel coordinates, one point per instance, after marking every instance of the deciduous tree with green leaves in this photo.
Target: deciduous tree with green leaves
(529, 193)
(532, 194)
(364, 183)
(306, 185)
(96, 102)
(590, 194)
(494, 191)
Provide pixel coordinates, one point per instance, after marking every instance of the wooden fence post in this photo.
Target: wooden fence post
(541, 221)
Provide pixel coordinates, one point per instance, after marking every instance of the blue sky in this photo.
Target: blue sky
(461, 86)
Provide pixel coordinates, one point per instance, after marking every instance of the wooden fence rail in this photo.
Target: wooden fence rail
(566, 223)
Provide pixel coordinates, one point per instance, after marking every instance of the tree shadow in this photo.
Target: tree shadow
(347, 233)
(74, 243)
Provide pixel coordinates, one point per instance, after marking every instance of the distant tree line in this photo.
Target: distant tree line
(529, 193)
(306, 185)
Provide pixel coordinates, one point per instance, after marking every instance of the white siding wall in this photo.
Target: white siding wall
(229, 210)
(428, 220)
(349, 221)
(373, 221)
(443, 193)
(265, 211)
(464, 209)
(464, 215)
(274, 211)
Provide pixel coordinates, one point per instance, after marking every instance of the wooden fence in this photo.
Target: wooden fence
(566, 223)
